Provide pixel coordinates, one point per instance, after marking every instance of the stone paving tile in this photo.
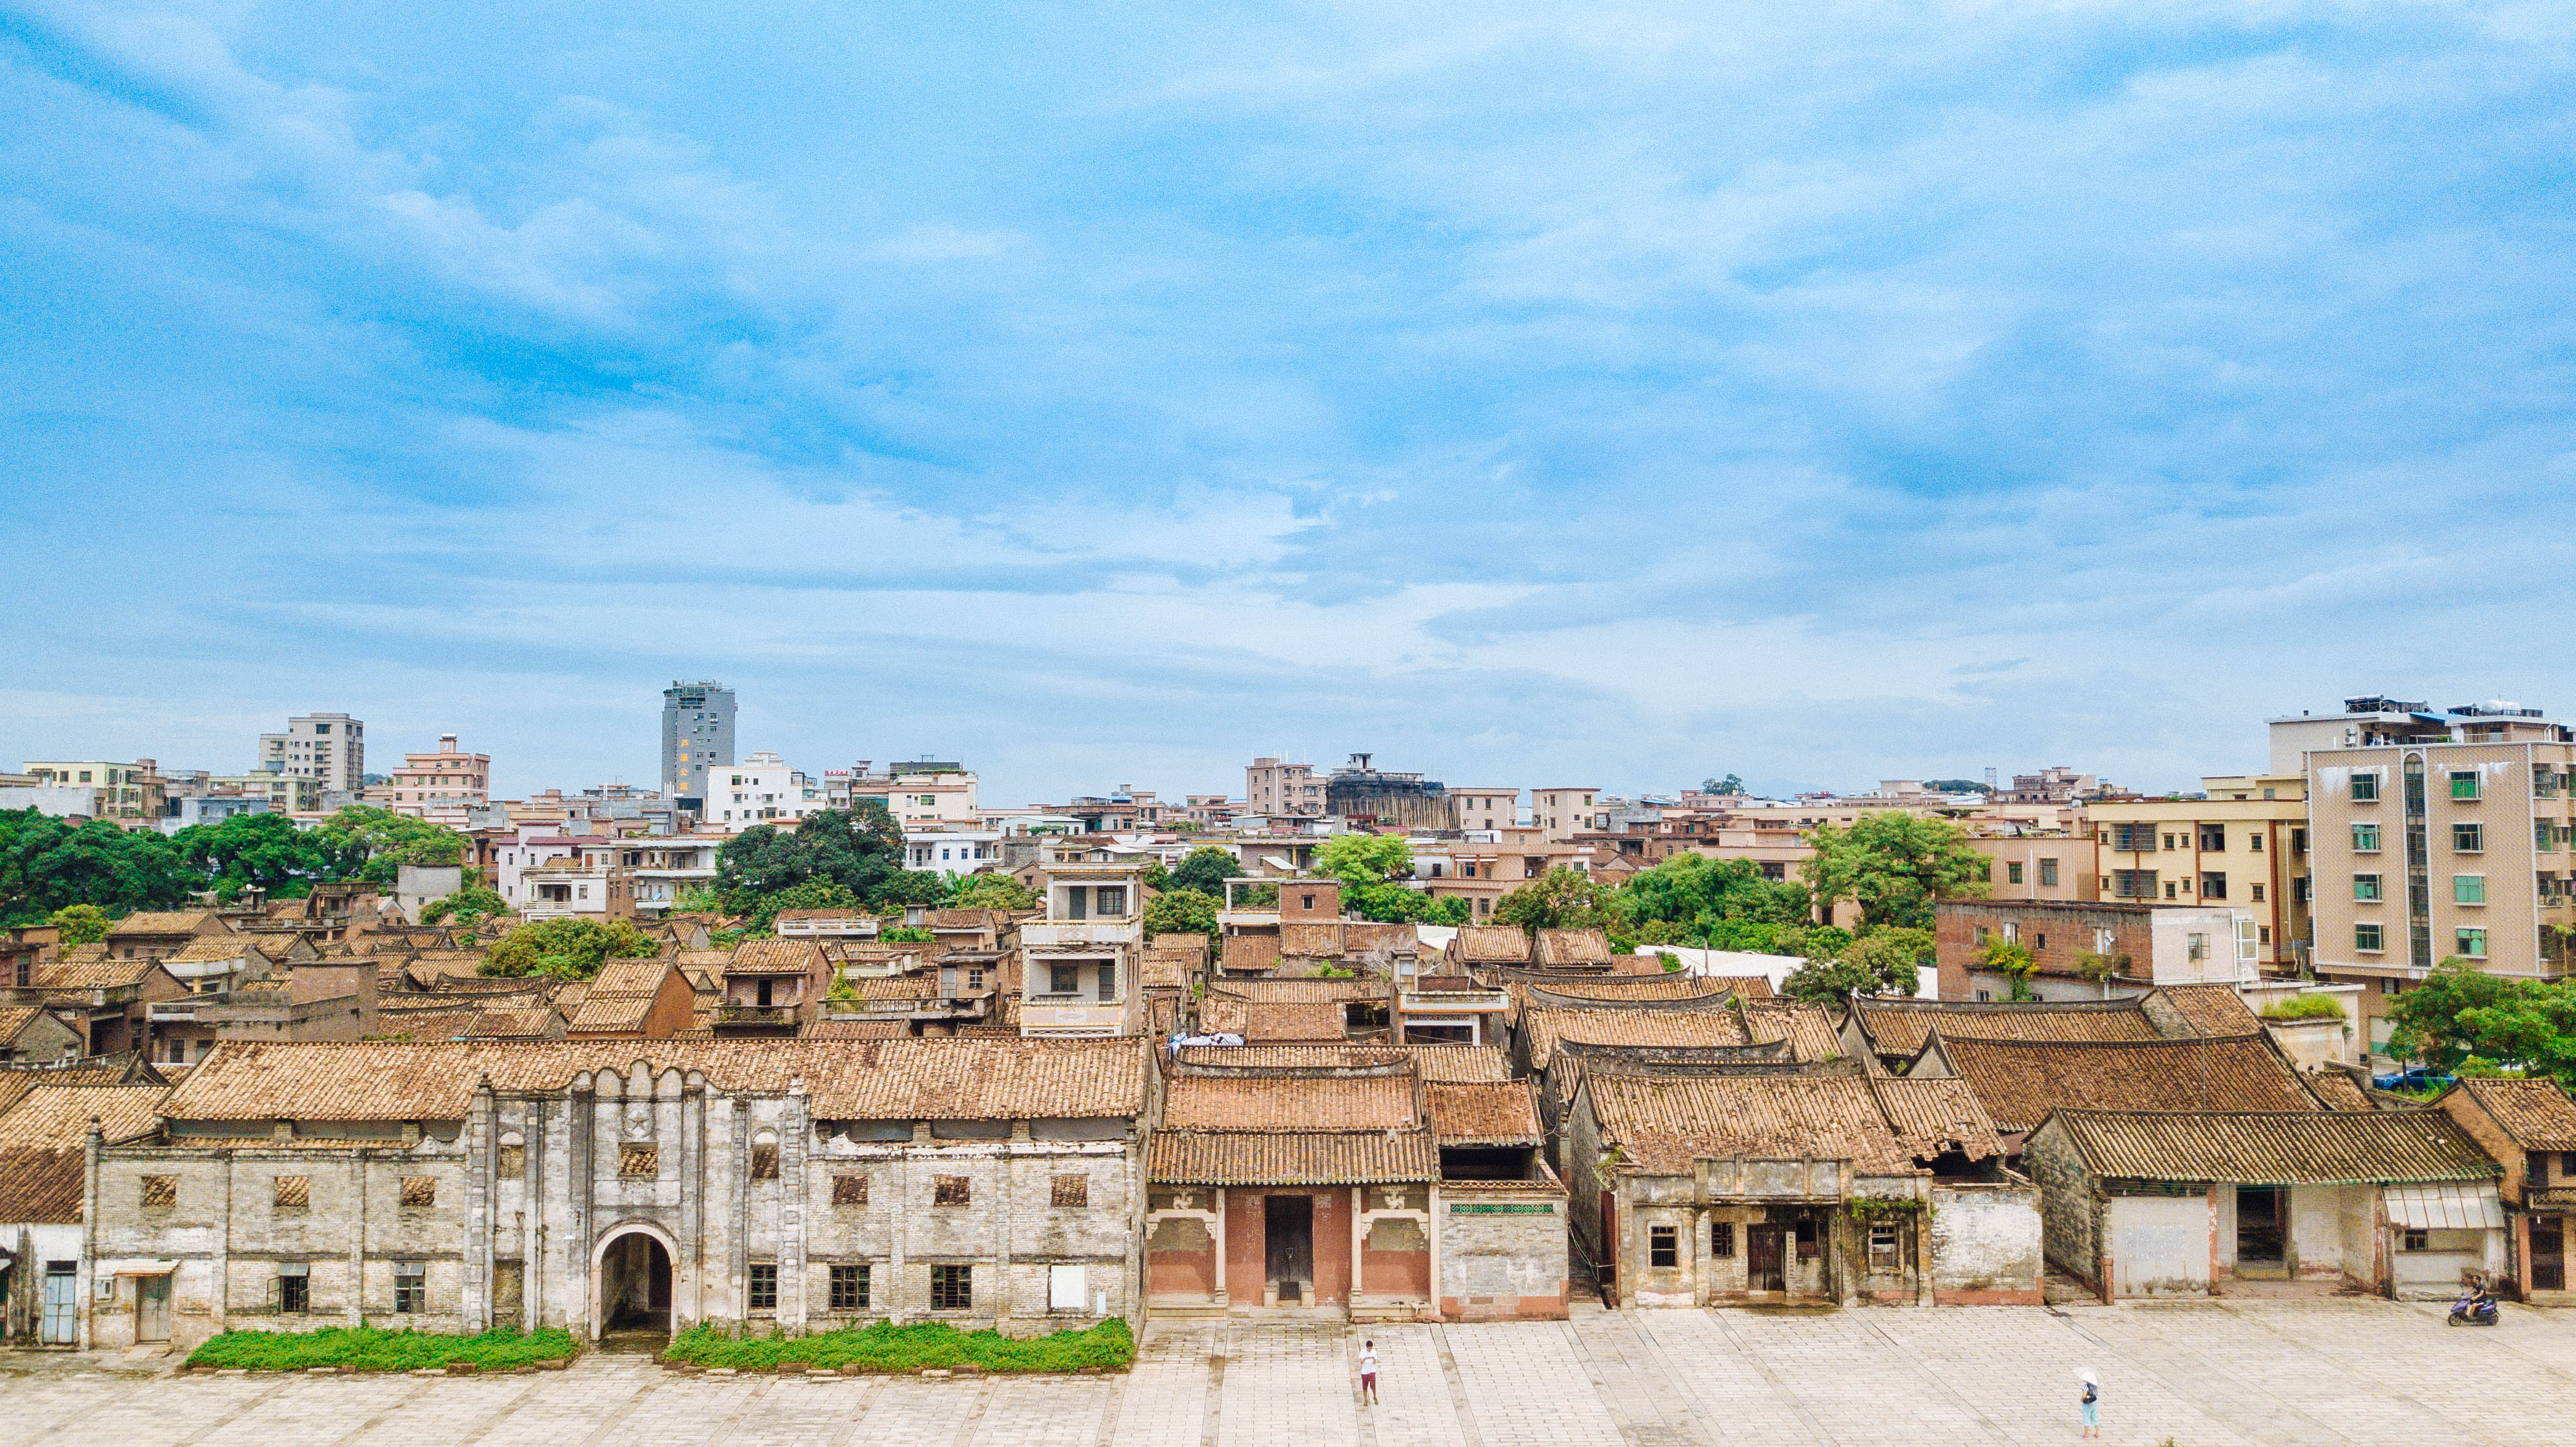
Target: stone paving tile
(2340, 1372)
(1526, 1384)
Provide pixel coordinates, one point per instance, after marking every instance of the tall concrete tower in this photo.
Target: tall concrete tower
(697, 731)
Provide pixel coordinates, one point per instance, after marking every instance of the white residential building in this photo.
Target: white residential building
(952, 851)
(919, 794)
(760, 790)
(331, 747)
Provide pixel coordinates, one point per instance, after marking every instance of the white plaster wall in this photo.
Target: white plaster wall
(1985, 1240)
(2160, 1245)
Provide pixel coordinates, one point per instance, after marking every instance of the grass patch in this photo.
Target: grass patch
(2304, 1007)
(374, 1349)
(884, 1347)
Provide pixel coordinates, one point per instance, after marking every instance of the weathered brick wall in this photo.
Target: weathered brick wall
(2070, 1214)
(1986, 1245)
(1503, 1255)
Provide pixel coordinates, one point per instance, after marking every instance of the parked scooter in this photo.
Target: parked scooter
(2477, 1308)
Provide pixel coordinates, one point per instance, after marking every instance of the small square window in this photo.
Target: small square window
(2257, 892)
(2365, 788)
(2472, 944)
(2468, 889)
(763, 1286)
(764, 1161)
(1721, 1239)
(411, 1287)
(634, 1160)
(419, 1192)
(1074, 1190)
(2414, 1240)
(1663, 1246)
(2368, 938)
(850, 1190)
(2464, 783)
(1806, 1240)
(160, 1192)
(2365, 888)
(849, 1286)
(952, 1288)
(2012, 873)
(2047, 872)
(293, 1193)
(1884, 1259)
(951, 1191)
(2365, 838)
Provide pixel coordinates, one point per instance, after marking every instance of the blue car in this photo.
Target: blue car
(2413, 1077)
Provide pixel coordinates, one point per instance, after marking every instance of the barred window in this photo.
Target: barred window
(764, 1286)
(411, 1286)
(1721, 1238)
(1072, 1190)
(419, 1191)
(1663, 1246)
(764, 1161)
(160, 1192)
(849, 1288)
(638, 1160)
(952, 1288)
(849, 1190)
(950, 1191)
(1883, 1257)
(294, 1193)
(294, 1286)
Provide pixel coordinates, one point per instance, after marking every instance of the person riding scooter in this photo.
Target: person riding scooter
(2478, 1307)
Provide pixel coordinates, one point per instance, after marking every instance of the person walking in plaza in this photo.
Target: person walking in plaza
(2089, 1407)
(1368, 1373)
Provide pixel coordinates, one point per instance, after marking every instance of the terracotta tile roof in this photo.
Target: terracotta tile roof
(2212, 1009)
(211, 951)
(1188, 946)
(1574, 947)
(44, 1145)
(1219, 1015)
(126, 1069)
(534, 1023)
(1751, 987)
(2535, 1114)
(1661, 1123)
(1933, 1116)
(1613, 1026)
(14, 1018)
(629, 977)
(2021, 1081)
(1250, 952)
(851, 913)
(96, 974)
(608, 1014)
(861, 1029)
(1293, 990)
(175, 922)
(1295, 1056)
(1461, 1064)
(2340, 1091)
(1286, 1158)
(703, 959)
(1164, 972)
(2291, 1148)
(1373, 938)
(1899, 1027)
(1493, 944)
(774, 957)
(1268, 1022)
(1310, 939)
(847, 1079)
(1808, 1027)
(1487, 1113)
(1292, 1102)
(94, 950)
(1625, 987)
(962, 919)
(896, 987)
(427, 1025)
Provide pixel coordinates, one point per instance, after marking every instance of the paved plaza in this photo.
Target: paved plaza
(2336, 1371)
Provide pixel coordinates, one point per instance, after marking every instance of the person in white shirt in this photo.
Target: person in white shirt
(1368, 1372)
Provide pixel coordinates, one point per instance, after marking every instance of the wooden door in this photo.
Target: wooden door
(1765, 1268)
(60, 1324)
(1288, 1239)
(2549, 1253)
(152, 1308)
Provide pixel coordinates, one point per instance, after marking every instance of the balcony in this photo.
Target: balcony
(1070, 1015)
(1064, 934)
(775, 1016)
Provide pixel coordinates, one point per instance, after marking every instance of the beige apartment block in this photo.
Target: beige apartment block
(2056, 867)
(2245, 845)
(2426, 851)
(1483, 806)
(128, 794)
(1282, 790)
(917, 797)
(1559, 814)
(285, 793)
(329, 747)
(442, 787)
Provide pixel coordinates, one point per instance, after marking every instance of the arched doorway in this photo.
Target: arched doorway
(634, 1284)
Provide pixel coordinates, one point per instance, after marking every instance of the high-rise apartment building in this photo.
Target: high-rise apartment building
(697, 733)
(331, 747)
(2435, 834)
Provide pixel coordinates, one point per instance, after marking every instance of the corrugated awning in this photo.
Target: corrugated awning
(2446, 1206)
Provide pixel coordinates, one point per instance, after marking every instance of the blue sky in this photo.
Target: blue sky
(1105, 396)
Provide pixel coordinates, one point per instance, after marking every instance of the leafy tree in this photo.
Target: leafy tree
(1448, 910)
(369, 844)
(2016, 965)
(760, 913)
(1882, 962)
(993, 891)
(1561, 899)
(860, 849)
(1387, 903)
(2461, 1019)
(81, 924)
(258, 851)
(1728, 785)
(1955, 786)
(566, 949)
(47, 863)
(913, 887)
(1181, 912)
(1365, 858)
(1205, 869)
(1692, 894)
(469, 906)
(1893, 865)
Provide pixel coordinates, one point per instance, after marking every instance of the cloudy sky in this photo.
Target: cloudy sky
(1107, 395)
